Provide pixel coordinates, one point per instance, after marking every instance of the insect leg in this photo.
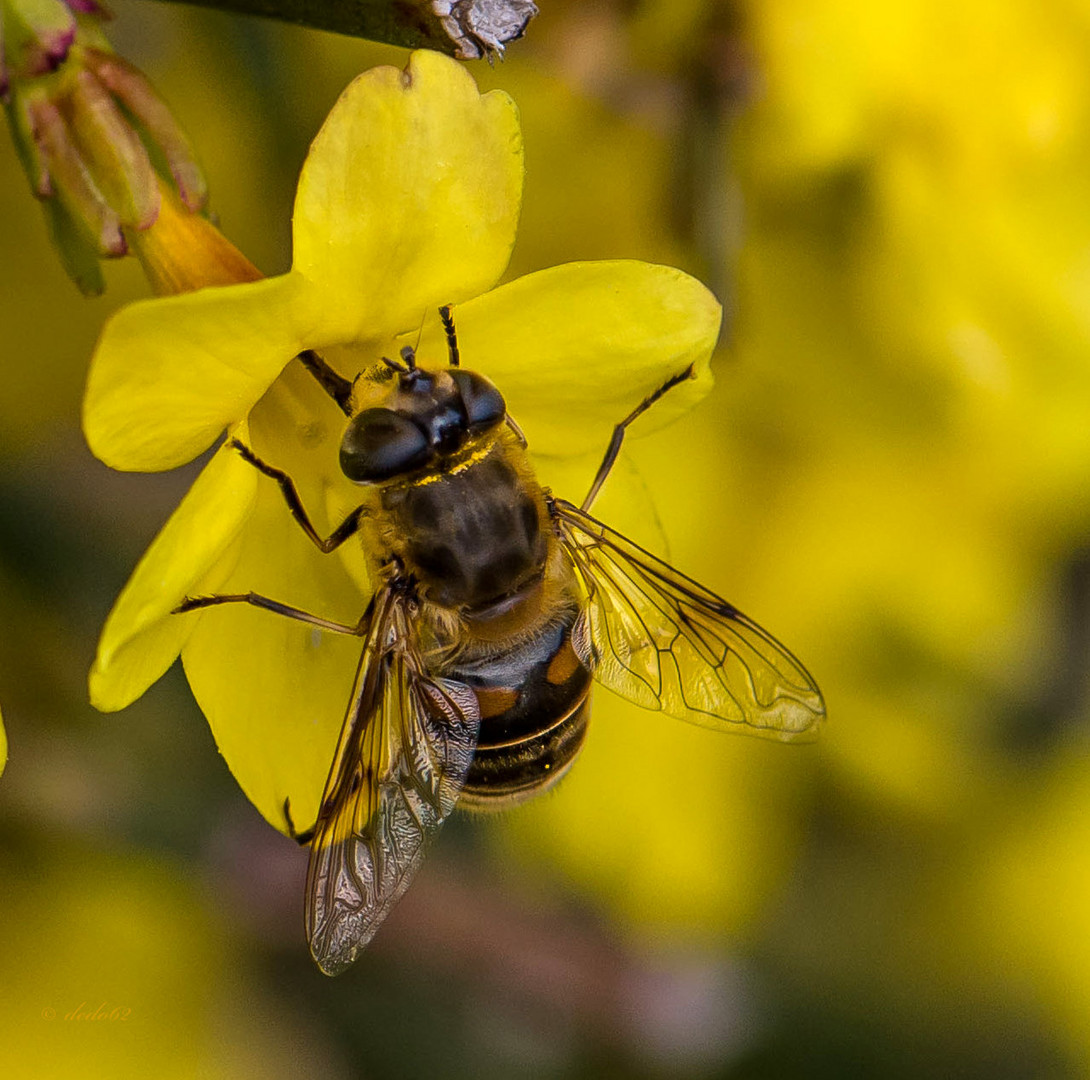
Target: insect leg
(193, 603)
(340, 534)
(614, 447)
(336, 386)
(302, 838)
(452, 335)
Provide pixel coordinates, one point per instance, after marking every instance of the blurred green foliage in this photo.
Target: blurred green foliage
(893, 474)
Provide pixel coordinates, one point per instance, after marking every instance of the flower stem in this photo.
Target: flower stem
(467, 29)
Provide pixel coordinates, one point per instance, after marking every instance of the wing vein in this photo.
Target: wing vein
(662, 640)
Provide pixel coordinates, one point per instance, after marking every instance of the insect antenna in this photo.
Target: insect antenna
(420, 329)
(452, 334)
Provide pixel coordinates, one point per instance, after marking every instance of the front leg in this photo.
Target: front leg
(348, 527)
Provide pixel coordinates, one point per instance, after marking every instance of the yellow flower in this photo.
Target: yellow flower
(408, 199)
(3, 746)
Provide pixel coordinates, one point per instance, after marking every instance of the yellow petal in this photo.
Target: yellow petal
(575, 348)
(274, 690)
(409, 198)
(169, 375)
(141, 637)
(3, 746)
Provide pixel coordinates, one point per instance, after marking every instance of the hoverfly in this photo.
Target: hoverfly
(497, 605)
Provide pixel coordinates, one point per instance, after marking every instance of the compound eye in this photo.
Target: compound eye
(381, 443)
(483, 403)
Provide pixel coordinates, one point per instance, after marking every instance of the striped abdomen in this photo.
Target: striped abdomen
(535, 702)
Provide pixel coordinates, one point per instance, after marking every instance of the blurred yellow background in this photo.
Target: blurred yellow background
(893, 475)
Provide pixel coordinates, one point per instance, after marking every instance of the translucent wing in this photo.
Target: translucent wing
(405, 749)
(661, 640)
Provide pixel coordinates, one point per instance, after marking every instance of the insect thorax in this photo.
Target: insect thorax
(472, 536)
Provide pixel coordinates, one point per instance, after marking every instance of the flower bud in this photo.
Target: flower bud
(84, 121)
(183, 251)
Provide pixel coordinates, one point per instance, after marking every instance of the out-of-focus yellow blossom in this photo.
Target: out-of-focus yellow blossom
(1023, 902)
(914, 273)
(115, 968)
(680, 832)
(408, 199)
(917, 241)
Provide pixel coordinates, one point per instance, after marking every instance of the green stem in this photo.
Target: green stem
(467, 29)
